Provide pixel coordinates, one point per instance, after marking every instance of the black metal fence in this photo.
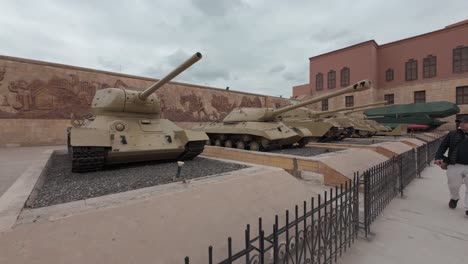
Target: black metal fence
(432, 148)
(422, 158)
(383, 182)
(408, 168)
(380, 187)
(320, 231)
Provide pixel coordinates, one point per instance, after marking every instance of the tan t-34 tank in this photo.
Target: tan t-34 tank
(260, 129)
(361, 118)
(322, 129)
(126, 126)
(361, 128)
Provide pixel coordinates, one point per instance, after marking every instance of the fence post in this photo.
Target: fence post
(366, 203)
(356, 205)
(427, 154)
(400, 165)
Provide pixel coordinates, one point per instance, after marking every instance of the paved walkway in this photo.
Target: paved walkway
(417, 229)
(15, 161)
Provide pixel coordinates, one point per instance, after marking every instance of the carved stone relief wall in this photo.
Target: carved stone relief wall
(39, 90)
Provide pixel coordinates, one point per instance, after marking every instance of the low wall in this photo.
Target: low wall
(33, 132)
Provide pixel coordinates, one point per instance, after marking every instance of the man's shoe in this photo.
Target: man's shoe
(453, 203)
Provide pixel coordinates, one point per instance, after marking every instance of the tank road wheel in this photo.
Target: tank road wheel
(228, 143)
(254, 146)
(240, 144)
(218, 142)
(208, 142)
(302, 142)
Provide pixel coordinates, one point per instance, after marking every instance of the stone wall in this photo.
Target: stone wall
(37, 98)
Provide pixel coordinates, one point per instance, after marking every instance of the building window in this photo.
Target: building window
(319, 81)
(460, 59)
(411, 70)
(389, 75)
(349, 101)
(331, 79)
(325, 105)
(420, 96)
(429, 66)
(390, 98)
(462, 95)
(344, 77)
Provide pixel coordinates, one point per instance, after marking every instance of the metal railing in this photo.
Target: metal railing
(408, 168)
(383, 182)
(317, 233)
(432, 148)
(320, 231)
(380, 187)
(422, 159)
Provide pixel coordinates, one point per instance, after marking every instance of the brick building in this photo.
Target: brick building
(423, 68)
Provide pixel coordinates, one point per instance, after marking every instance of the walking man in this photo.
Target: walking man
(457, 161)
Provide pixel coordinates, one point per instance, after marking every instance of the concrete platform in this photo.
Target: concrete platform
(418, 229)
(160, 224)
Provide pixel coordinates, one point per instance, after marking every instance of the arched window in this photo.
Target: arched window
(319, 81)
(344, 77)
(411, 67)
(331, 79)
(429, 66)
(389, 75)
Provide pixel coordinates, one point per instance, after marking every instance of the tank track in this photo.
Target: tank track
(85, 159)
(192, 149)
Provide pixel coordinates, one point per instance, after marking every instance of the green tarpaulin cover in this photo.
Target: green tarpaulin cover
(433, 109)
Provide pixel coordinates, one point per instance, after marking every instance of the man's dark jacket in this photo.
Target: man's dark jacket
(452, 142)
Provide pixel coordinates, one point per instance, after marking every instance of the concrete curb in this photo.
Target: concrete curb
(14, 199)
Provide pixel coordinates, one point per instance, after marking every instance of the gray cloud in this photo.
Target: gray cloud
(277, 68)
(218, 7)
(246, 44)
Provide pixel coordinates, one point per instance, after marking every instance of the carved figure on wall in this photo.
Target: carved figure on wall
(2, 74)
(44, 99)
(221, 104)
(193, 104)
(250, 102)
(22, 100)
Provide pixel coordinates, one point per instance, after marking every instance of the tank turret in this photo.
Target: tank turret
(131, 101)
(269, 114)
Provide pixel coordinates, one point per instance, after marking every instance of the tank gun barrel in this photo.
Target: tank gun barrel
(364, 107)
(359, 86)
(323, 113)
(352, 109)
(195, 57)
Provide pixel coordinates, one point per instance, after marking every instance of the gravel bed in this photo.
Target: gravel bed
(62, 186)
(305, 151)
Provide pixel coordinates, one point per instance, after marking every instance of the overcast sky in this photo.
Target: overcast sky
(259, 46)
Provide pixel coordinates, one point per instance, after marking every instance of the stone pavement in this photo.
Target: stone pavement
(15, 161)
(417, 229)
